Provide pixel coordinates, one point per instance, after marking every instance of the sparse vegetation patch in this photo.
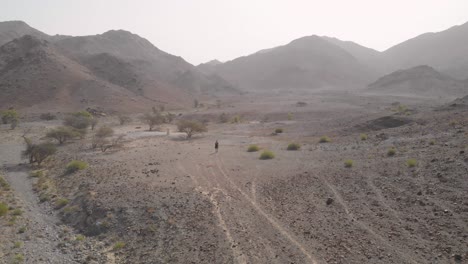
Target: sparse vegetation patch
(411, 163)
(76, 165)
(253, 148)
(294, 146)
(348, 163)
(266, 155)
(324, 139)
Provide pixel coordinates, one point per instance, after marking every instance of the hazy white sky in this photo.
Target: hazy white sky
(201, 30)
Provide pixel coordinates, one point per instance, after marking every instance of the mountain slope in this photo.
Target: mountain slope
(34, 73)
(446, 51)
(421, 81)
(11, 30)
(309, 63)
(369, 57)
(155, 70)
(116, 64)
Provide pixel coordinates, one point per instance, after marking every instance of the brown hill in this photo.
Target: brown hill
(308, 63)
(156, 72)
(11, 30)
(35, 76)
(446, 51)
(96, 71)
(421, 81)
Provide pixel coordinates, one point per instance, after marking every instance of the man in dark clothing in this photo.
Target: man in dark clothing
(216, 146)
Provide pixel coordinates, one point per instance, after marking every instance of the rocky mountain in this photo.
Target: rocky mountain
(116, 64)
(369, 57)
(11, 30)
(209, 67)
(421, 81)
(446, 51)
(34, 74)
(306, 63)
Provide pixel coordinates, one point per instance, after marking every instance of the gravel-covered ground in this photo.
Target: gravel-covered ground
(163, 199)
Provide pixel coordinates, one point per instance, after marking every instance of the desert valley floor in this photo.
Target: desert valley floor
(163, 199)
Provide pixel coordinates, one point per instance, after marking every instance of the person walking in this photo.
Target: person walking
(216, 146)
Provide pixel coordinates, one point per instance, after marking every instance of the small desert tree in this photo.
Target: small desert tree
(123, 119)
(38, 152)
(93, 123)
(79, 120)
(101, 136)
(191, 127)
(62, 134)
(152, 120)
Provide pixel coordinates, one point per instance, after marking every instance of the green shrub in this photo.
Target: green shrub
(17, 212)
(236, 119)
(391, 152)
(3, 209)
(36, 173)
(290, 116)
(61, 202)
(18, 244)
(253, 148)
(348, 163)
(324, 139)
(22, 230)
(70, 209)
(266, 155)
(119, 245)
(363, 137)
(278, 130)
(294, 146)
(18, 258)
(76, 165)
(4, 184)
(411, 163)
(432, 142)
(9, 116)
(80, 238)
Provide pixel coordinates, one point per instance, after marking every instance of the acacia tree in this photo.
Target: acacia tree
(191, 127)
(62, 134)
(152, 120)
(38, 152)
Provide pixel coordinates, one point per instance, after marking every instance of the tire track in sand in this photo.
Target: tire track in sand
(211, 194)
(269, 218)
(364, 226)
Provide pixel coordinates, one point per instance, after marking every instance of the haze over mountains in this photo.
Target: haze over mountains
(116, 70)
(119, 70)
(325, 62)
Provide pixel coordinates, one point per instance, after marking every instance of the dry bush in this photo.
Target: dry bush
(191, 127)
(63, 134)
(123, 119)
(266, 155)
(152, 120)
(294, 146)
(37, 153)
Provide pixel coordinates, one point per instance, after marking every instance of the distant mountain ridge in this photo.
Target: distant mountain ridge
(117, 62)
(306, 63)
(135, 69)
(445, 51)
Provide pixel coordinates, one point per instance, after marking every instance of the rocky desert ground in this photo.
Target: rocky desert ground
(390, 186)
